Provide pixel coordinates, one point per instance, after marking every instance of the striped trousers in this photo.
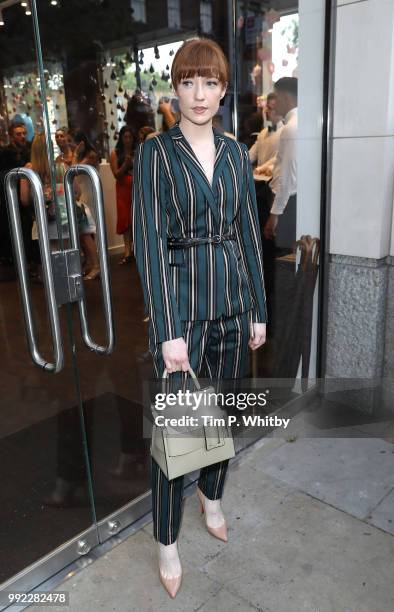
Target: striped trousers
(217, 349)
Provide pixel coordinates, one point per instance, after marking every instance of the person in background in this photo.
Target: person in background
(165, 109)
(284, 173)
(15, 154)
(145, 132)
(85, 153)
(250, 118)
(83, 147)
(121, 161)
(40, 164)
(264, 152)
(139, 113)
(66, 155)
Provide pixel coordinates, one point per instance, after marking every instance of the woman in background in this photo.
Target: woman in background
(66, 155)
(85, 153)
(39, 163)
(122, 168)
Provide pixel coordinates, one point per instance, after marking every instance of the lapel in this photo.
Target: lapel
(186, 153)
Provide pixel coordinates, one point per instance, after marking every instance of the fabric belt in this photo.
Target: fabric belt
(182, 243)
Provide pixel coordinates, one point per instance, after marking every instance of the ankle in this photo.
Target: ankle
(169, 562)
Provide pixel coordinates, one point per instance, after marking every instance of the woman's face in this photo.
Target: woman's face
(127, 139)
(70, 142)
(199, 98)
(61, 139)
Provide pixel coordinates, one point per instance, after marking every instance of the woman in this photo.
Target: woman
(39, 163)
(85, 153)
(122, 168)
(139, 113)
(66, 155)
(206, 301)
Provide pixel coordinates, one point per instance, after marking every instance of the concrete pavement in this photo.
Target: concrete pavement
(311, 524)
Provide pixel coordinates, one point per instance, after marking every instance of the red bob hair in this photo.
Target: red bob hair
(200, 56)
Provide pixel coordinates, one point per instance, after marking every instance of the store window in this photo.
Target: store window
(206, 16)
(139, 10)
(91, 81)
(283, 43)
(174, 13)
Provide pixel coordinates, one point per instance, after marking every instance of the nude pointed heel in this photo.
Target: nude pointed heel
(171, 585)
(217, 532)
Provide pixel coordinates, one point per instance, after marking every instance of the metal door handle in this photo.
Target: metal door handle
(102, 251)
(11, 186)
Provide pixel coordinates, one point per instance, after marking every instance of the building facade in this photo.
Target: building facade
(74, 458)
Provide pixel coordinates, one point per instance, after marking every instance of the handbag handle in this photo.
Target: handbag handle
(190, 371)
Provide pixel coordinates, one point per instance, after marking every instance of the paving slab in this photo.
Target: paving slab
(383, 515)
(287, 550)
(352, 474)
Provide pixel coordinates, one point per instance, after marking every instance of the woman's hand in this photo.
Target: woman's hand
(128, 161)
(175, 355)
(259, 337)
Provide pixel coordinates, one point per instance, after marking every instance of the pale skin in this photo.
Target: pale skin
(18, 136)
(199, 99)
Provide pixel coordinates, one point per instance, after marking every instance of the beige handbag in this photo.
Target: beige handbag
(180, 450)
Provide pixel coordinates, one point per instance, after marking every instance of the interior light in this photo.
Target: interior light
(23, 3)
(1, 19)
(54, 2)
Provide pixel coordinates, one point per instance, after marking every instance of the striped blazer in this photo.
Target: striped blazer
(172, 198)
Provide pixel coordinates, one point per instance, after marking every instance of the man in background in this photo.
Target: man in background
(264, 152)
(15, 155)
(282, 219)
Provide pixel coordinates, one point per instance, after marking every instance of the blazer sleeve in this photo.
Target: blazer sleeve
(150, 243)
(250, 240)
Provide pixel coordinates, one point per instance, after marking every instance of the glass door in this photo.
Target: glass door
(45, 522)
(79, 98)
